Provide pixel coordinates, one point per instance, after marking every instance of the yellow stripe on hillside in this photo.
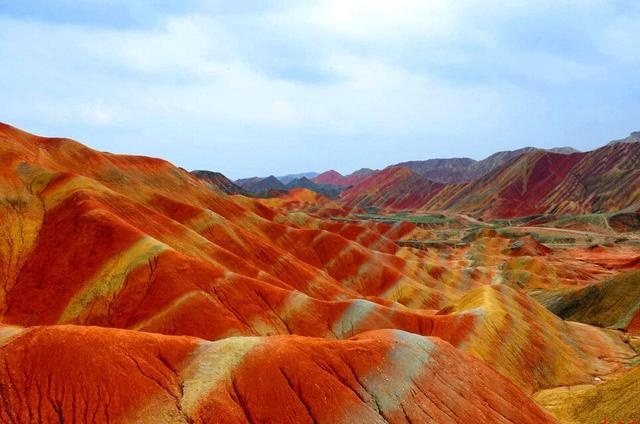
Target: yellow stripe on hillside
(60, 193)
(208, 219)
(212, 364)
(8, 332)
(164, 312)
(110, 279)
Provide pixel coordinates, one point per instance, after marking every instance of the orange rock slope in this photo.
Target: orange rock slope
(131, 291)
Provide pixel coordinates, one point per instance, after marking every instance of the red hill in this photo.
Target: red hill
(392, 188)
(329, 177)
(602, 180)
(88, 374)
(335, 178)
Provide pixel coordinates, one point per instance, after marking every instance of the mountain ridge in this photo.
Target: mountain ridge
(219, 181)
(529, 182)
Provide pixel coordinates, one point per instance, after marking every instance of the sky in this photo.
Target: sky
(276, 87)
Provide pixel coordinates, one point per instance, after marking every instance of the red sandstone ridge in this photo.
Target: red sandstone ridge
(530, 182)
(88, 374)
(329, 177)
(335, 178)
(357, 176)
(392, 188)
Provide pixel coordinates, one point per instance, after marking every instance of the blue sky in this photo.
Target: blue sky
(275, 87)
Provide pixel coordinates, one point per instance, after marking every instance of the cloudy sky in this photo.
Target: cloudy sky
(274, 87)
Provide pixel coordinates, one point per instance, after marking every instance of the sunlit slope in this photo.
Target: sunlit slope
(614, 400)
(613, 303)
(534, 348)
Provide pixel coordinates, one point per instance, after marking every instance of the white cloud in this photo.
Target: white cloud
(389, 19)
(185, 70)
(420, 73)
(381, 21)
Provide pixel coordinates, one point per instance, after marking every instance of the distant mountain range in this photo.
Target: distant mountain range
(335, 178)
(274, 186)
(458, 170)
(634, 137)
(286, 179)
(520, 182)
(452, 170)
(218, 180)
(327, 190)
(258, 185)
(532, 182)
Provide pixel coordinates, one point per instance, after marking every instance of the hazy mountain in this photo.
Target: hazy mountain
(218, 180)
(285, 179)
(335, 178)
(458, 170)
(327, 190)
(258, 185)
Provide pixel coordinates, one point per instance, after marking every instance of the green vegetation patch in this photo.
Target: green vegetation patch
(406, 216)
